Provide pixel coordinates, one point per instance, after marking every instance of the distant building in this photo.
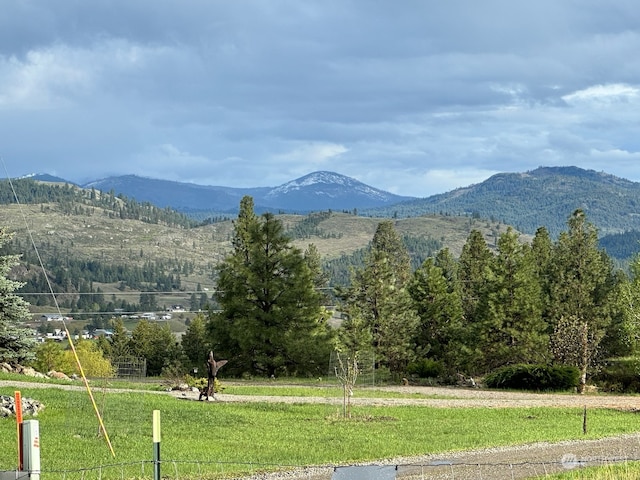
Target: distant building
(101, 332)
(176, 308)
(54, 317)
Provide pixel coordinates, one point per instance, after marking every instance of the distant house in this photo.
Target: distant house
(101, 332)
(148, 316)
(176, 308)
(52, 317)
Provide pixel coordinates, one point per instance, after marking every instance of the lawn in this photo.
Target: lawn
(213, 439)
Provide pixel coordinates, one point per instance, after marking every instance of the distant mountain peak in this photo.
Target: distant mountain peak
(330, 184)
(44, 177)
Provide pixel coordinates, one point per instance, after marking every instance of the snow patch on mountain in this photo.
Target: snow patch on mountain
(329, 184)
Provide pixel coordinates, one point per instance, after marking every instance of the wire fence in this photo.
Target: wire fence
(434, 469)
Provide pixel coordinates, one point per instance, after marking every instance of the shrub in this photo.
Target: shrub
(201, 383)
(534, 377)
(50, 356)
(92, 359)
(426, 368)
(619, 375)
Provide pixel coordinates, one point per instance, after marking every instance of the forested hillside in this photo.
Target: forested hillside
(102, 251)
(426, 297)
(540, 198)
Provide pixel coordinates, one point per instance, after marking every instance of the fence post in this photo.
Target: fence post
(156, 444)
(18, 407)
(31, 448)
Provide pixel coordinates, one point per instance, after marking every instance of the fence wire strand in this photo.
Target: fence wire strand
(434, 469)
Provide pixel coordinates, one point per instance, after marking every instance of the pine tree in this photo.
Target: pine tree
(195, 343)
(378, 294)
(120, 346)
(474, 261)
(271, 320)
(512, 329)
(473, 265)
(439, 307)
(17, 342)
(581, 294)
(542, 252)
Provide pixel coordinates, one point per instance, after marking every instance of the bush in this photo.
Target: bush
(92, 359)
(426, 368)
(619, 375)
(534, 377)
(201, 383)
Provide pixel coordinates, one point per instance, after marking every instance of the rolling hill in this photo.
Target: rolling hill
(545, 196)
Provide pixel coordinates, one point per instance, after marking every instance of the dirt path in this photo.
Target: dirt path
(446, 397)
(516, 462)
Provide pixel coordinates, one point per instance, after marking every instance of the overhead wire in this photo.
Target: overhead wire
(57, 307)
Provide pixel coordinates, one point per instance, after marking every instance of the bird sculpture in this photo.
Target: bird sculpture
(212, 370)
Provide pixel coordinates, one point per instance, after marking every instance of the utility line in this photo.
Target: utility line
(71, 344)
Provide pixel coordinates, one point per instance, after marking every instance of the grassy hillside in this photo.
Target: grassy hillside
(93, 235)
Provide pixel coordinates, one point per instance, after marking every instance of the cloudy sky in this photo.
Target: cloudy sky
(414, 97)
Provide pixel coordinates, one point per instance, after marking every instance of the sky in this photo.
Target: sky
(413, 97)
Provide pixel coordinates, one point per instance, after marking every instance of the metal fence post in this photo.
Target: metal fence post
(156, 444)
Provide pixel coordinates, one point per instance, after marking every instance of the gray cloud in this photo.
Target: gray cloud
(412, 97)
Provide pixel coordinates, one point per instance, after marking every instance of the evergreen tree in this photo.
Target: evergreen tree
(582, 295)
(271, 320)
(512, 329)
(473, 265)
(242, 226)
(17, 342)
(195, 343)
(378, 293)
(439, 307)
(474, 261)
(120, 345)
(156, 344)
(445, 260)
(542, 252)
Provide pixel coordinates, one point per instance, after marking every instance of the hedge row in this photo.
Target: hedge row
(534, 377)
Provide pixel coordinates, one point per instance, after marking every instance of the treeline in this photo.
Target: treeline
(545, 196)
(72, 200)
(545, 302)
(339, 270)
(621, 245)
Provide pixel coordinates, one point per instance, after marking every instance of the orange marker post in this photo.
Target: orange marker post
(18, 407)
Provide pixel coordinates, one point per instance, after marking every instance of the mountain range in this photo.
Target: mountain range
(313, 192)
(545, 196)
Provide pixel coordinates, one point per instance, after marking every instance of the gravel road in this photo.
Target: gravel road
(526, 461)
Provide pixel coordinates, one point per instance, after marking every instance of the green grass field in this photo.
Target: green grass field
(210, 440)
